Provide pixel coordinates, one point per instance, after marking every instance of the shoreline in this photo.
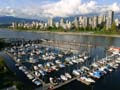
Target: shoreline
(76, 33)
(68, 33)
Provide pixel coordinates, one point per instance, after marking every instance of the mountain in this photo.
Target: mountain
(10, 19)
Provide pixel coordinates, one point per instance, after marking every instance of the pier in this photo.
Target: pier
(66, 82)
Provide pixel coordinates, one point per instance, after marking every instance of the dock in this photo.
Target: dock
(66, 82)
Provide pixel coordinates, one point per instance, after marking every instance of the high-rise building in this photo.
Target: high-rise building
(50, 22)
(95, 21)
(14, 25)
(117, 22)
(101, 19)
(76, 22)
(90, 21)
(68, 24)
(81, 21)
(110, 18)
(62, 22)
(85, 21)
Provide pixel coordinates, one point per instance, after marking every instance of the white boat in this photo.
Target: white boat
(80, 71)
(23, 52)
(35, 67)
(30, 76)
(80, 55)
(68, 75)
(117, 61)
(58, 62)
(61, 65)
(85, 68)
(23, 68)
(26, 72)
(70, 62)
(94, 65)
(83, 78)
(37, 73)
(76, 73)
(38, 52)
(60, 55)
(51, 80)
(64, 78)
(37, 82)
(81, 60)
(103, 70)
(40, 65)
(45, 58)
(54, 67)
(42, 72)
(31, 54)
(74, 61)
(48, 64)
(94, 76)
(86, 57)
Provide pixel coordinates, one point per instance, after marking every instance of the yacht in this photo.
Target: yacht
(58, 62)
(76, 73)
(30, 76)
(36, 82)
(63, 77)
(53, 80)
(68, 75)
(61, 65)
(89, 80)
(37, 73)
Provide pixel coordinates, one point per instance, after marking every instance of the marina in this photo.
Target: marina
(52, 67)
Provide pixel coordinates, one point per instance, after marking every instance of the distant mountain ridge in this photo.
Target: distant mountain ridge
(10, 19)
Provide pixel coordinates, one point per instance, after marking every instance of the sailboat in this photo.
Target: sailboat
(76, 73)
(68, 75)
(63, 77)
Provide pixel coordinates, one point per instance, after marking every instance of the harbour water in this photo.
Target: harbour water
(109, 82)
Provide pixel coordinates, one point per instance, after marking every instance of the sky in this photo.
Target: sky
(53, 8)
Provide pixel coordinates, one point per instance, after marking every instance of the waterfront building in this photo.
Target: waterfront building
(95, 21)
(85, 22)
(90, 21)
(45, 25)
(117, 22)
(50, 22)
(75, 22)
(110, 18)
(81, 21)
(101, 19)
(68, 24)
(57, 24)
(62, 22)
(14, 25)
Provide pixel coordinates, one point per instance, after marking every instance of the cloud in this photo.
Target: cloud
(66, 8)
(62, 8)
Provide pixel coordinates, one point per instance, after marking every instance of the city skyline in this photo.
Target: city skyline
(53, 8)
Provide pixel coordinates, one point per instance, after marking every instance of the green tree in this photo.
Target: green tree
(113, 27)
(2, 64)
